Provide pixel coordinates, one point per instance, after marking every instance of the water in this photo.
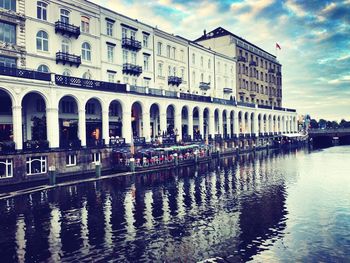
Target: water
(291, 207)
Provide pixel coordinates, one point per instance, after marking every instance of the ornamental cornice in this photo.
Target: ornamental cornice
(11, 16)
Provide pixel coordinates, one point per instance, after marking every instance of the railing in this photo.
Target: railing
(70, 144)
(24, 73)
(271, 70)
(252, 64)
(117, 141)
(169, 140)
(228, 90)
(89, 84)
(169, 93)
(173, 80)
(130, 43)
(138, 89)
(291, 110)
(65, 58)
(186, 96)
(197, 138)
(156, 92)
(7, 147)
(36, 145)
(223, 101)
(246, 104)
(186, 138)
(241, 59)
(204, 85)
(264, 107)
(139, 141)
(67, 29)
(279, 108)
(95, 143)
(132, 69)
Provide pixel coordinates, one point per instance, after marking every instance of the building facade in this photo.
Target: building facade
(258, 73)
(78, 80)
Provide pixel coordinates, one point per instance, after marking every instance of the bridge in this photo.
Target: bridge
(328, 137)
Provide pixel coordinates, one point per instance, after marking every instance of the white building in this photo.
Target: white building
(76, 76)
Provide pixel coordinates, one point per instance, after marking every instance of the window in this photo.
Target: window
(111, 77)
(43, 68)
(86, 51)
(125, 56)
(168, 51)
(64, 16)
(159, 49)
(7, 33)
(146, 62)
(182, 74)
(67, 106)
(6, 169)
(193, 59)
(145, 40)
(174, 71)
(42, 41)
(132, 34)
(41, 10)
(169, 71)
(202, 62)
(109, 28)
(209, 79)
(65, 45)
(36, 165)
(90, 108)
(66, 72)
(96, 158)
(7, 62)
(202, 77)
(71, 160)
(124, 32)
(85, 24)
(160, 69)
(209, 63)
(133, 58)
(193, 78)
(40, 105)
(219, 68)
(134, 81)
(8, 4)
(110, 53)
(182, 55)
(126, 80)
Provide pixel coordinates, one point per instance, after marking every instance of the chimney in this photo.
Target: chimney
(205, 33)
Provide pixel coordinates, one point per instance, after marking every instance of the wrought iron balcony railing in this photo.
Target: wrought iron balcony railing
(131, 44)
(204, 85)
(173, 80)
(24, 73)
(66, 58)
(67, 29)
(252, 64)
(132, 69)
(187, 96)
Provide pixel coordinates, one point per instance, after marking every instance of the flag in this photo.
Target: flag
(278, 46)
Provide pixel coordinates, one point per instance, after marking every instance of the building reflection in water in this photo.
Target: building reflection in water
(228, 208)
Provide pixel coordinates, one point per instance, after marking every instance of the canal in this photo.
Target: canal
(264, 207)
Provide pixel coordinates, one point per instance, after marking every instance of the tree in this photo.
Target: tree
(322, 124)
(313, 124)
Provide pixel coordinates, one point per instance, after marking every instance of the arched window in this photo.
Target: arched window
(66, 72)
(41, 10)
(65, 45)
(43, 68)
(87, 75)
(42, 41)
(86, 51)
(85, 24)
(64, 18)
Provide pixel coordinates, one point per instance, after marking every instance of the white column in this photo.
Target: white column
(146, 118)
(162, 120)
(256, 125)
(211, 124)
(178, 124)
(53, 135)
(126, 126)
(105, 124)
(296, 125)
(201, 123)
(17, 126)
(235, 123)
(220, 123)
(228, 123)
(249, 128)
(190, 124)
(82, 127)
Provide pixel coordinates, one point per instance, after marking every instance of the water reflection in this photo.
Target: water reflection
(230, 208)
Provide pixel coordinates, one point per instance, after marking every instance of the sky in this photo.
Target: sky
(314, 36)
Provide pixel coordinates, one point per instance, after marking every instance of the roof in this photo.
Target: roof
(220, 31)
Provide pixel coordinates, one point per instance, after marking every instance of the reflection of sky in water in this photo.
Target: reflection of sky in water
(263, 207)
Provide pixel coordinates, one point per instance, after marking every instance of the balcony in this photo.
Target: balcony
(39, 145)
(241, 59)
(66, 58)
(246, 104)
(271, 70)
(138, 89)
(89, 84)
(173, 80)
(23, 73)
(67, 29)
(132, 69)
(131, 44)
(119, 142)
(204, 85)
(224, 101)
(139, 141)
(252, 64)
(155, 92)
(265, 107)
(228, 90)
(186, 96)
(169, 93)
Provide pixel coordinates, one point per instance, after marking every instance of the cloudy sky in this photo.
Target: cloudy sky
(314, 36)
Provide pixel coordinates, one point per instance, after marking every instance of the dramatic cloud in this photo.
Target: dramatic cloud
(313, 34)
